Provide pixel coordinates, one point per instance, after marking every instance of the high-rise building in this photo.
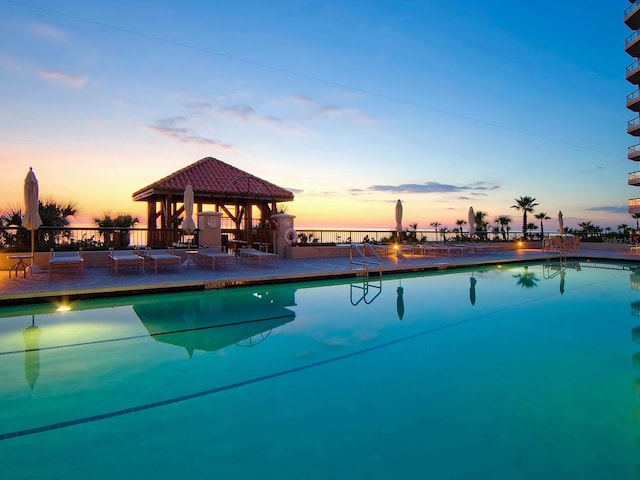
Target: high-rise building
(632, 47)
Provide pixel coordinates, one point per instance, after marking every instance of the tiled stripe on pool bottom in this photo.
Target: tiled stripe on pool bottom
(232, 386)
(137, 337)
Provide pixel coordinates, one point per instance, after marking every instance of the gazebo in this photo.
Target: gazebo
(246, 201)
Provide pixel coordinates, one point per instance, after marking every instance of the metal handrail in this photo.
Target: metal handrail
(631, 8)
(631, 37)
(633, 95)
(632, 66)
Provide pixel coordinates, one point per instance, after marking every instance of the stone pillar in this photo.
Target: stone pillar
(210, 226)
(284, 234)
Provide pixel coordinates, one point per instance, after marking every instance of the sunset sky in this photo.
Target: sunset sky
(350, 104)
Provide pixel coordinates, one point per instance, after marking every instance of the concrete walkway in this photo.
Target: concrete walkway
(100, 282)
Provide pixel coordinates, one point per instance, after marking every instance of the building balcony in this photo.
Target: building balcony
(633, 127)
(633, 101)
(633, 73)
(634, 206)
(634, 178)
(632, 16)
(632, 44)
(633, 153)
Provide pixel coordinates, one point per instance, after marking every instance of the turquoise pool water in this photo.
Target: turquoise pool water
(519, 372)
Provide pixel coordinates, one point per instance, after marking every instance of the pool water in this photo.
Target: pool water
(513, 372)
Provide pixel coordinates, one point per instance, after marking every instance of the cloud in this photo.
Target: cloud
(433, 187)
(12, 64)
(170, 127)
(330, 111)
(47, 31)
(67, 79)
(609, 209)
(247, 114)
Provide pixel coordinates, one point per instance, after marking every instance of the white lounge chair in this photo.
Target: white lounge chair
(156, 258)
(125, 258)
(212, 257)
(252, 254)
(65, 261)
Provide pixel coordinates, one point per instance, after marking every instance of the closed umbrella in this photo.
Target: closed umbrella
(472, 222)
(31, 219)
(399, 218)
(188, 225)
(560, 223)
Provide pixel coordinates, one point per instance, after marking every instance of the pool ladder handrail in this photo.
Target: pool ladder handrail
(362, 259)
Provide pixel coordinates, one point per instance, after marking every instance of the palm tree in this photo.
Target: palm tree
(460, 224)
(542, 217)
(525, 204)
(111, 233)
(503, 221)
(481, 223)
(435, 226)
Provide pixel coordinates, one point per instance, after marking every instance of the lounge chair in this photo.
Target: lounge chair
(124, 258)
(65, 261)
(212, 257)
(157, 258)
(252, 254)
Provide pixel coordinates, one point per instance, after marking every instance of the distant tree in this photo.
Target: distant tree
(623, 230)
(114, 231)
(503, 221)
(481, 223)
(525, 204)
(542, 217)
(460, 224)
(588, 229)
(435, 226)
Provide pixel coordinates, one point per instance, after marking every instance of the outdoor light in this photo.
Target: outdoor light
(63, 308)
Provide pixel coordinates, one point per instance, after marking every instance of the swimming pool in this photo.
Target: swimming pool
(519, 371)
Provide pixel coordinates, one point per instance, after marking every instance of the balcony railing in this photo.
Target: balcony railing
(633, 152)
(631, 8)
(14, 239)
(634, 178)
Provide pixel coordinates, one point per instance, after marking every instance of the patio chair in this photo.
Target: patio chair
(212, 257)
(158, 258)
(124, 258)
(65, 262)
(257, 256)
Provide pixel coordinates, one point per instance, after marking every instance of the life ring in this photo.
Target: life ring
(290, 236)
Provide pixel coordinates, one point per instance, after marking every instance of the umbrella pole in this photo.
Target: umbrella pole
(32, 250)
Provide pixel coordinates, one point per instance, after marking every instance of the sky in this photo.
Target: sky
(349, 104)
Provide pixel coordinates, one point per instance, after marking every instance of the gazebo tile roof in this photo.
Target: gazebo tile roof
(212, 176)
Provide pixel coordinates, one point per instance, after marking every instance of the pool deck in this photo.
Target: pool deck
(101, 282)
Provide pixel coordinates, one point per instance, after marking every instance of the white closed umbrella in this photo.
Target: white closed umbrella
(472, 222)
(188, 225)
(31, 219)
(560, 223)
(399, 218)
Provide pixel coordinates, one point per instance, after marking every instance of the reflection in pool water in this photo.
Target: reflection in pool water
(523, 371)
